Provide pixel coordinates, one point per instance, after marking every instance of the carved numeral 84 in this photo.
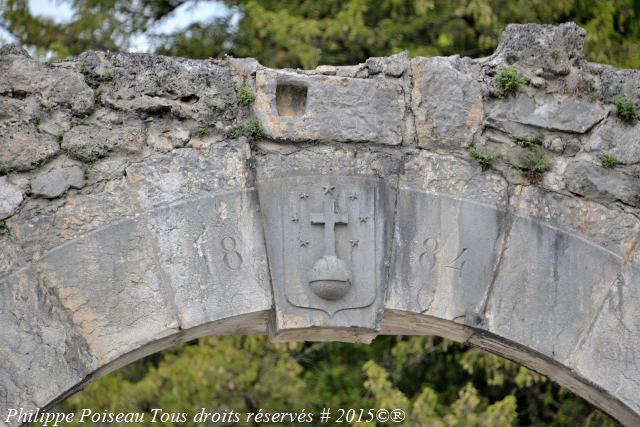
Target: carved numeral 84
(428, 256)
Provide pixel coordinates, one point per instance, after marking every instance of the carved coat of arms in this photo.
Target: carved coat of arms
(324, 239)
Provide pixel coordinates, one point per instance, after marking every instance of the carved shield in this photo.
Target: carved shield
(324, 245)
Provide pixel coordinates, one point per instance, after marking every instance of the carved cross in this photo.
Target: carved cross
(329, 219)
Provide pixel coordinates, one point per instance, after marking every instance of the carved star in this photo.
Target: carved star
(304, 243)
(353, 196)
(295, 218)
(328, 189)
(304, 195)
(354, 243)
(364, 218)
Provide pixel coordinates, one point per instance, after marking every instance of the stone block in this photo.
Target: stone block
(553, 112)
(10, 197)
(212, 250)
(111, 284)
(296, 107)
(446, 101)
(57, 177)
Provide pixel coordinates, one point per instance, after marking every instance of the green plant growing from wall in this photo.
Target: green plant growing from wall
(508, 81)
(235, 132)
(3, 227)
(88, 77)
(36, 120)
(484, 159)
(245, 93)
(626, 110)
(254, 128)
(251, 128)
(534, 163)
(609, 161)
(5, 169)
(108, 75)
(528, 141)
(202, 131)
(59, 138)
(216, 106)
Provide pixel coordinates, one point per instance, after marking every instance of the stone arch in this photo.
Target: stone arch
(141, 232)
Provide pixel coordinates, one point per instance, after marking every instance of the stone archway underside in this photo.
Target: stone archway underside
(141, 217)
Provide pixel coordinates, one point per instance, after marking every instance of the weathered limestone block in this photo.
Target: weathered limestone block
(10, 256)
(392, 66)
(609, 352)
(89, 143)
(619, 139)
(43, 225)
(552, 48)
(54, 86)
(555, 283)
(154, 85)
(187, 174)
(166, 139)
(212, 251)
(57, 177)
(297, 107)
(601, 184)
(447, 237)
(41, 354)
(10, 197)
(204, 216)
(552, 112)
(616, 83)
(611, 229)
(446, 101)
(23, 148)
(97, 279)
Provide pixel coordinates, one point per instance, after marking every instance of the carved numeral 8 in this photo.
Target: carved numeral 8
(428, 257)
(232, 258)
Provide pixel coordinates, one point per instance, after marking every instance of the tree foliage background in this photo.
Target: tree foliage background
(438, 383)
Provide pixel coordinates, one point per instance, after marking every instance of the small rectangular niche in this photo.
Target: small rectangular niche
(291, 99)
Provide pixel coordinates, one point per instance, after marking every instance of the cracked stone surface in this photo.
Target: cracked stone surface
(10, 198)
(161, 211)
(57, 177)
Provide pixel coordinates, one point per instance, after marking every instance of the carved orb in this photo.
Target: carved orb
(330, 278)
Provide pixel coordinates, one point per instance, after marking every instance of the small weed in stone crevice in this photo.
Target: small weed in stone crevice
(36, 120)
(3, 227)
(235, 132)
(5, 169)
(59, 138)
(252, 129)
(534, 163)
(88, 77)
(608, 161)
(108, 75)
(508, 81)
(626, 110)
(202, 131)
(245, 93)
(484, 159)
(528, 141)
(216, 106)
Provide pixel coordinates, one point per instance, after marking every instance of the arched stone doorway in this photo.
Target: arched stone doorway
(144, 230)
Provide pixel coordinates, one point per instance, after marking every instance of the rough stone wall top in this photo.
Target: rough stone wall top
(492, 200)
